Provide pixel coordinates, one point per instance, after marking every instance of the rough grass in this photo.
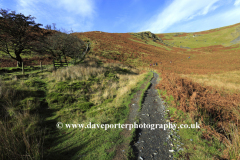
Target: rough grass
(20, 134)
(107, 97)
(193, 145)
(227, 81)
(89, 92)
(192, 102)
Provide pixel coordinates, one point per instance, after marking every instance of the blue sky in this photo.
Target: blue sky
(122, 16)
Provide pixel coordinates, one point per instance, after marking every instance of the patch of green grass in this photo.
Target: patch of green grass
(158, 45)
(162, 92)
(93, 112)
(137, 41)
(135, 62)
(191, 138)
(191, 142)
(224, 36)
(60, 98)
(35, 82)
(29, 103)
(99, 143)
(62, 86)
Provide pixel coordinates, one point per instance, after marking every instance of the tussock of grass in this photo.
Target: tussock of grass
(233, 147)
(76, 73)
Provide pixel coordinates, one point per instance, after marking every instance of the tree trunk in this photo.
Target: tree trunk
(84, 53)
(65, 58)
(19, 60)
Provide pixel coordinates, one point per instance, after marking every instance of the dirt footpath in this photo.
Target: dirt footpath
(148, 144)
(152, 144)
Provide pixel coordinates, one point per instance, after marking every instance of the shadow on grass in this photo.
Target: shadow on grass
(68, 151)
(57, 137)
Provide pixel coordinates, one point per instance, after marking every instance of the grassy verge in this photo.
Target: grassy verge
(143, 92)
(92, 92)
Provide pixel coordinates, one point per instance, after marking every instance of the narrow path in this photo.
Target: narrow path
(152, 144)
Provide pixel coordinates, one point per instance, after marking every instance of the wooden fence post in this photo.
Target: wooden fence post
(41, 66)
(22, 68)
(54, 66)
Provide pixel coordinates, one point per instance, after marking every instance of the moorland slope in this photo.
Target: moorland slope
(199, 82)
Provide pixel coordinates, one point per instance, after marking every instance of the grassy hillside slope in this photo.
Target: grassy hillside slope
(200, 83)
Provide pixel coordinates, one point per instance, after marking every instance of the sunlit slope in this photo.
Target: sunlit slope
(225, 36)
(150, 39)
(126, 48)
(143, 49)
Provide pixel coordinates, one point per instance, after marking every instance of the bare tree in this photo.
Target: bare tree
(60, 45)
(54, 26)
(17, 32)
(78, 50)
(48, 27)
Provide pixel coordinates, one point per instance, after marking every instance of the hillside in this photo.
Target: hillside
(209, 51)
(212, 51)
(199, 82)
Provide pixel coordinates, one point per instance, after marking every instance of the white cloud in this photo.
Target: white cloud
(27, 7)
(85, 8)
(179, 11)
(208, 8)
(78, 15)
(65, 13)
(204, 11)
(237, 3)
(224, 18)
